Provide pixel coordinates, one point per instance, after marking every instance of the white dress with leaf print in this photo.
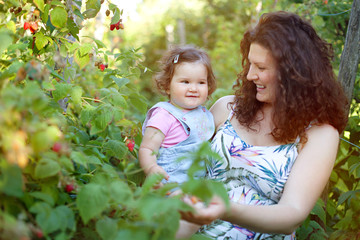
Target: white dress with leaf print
(253, 175)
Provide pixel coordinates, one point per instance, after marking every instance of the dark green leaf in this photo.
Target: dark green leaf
(91, 201)
(11, 182)
(106, 228)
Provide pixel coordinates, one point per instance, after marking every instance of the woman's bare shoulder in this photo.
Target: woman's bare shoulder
(221, 109)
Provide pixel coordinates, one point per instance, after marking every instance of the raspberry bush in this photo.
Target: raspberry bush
(70, 131)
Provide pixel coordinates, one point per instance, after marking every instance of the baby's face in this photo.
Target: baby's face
(189, 86)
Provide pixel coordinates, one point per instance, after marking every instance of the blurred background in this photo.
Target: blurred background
(215, 25)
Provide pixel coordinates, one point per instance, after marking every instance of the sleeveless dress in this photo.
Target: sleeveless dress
(252, 175)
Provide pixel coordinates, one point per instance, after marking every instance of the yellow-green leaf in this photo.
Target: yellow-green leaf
(40, 40)
(76, 94)
(58, 17)
(39, 4)
(82, 61)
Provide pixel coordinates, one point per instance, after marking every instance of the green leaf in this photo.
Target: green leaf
(62, 90)
(118, 114)
(65, 218)
(58, 17)
(319, 211)
(87, 113)
(69, 74)
(73, 28)
(45, 15)
(45, 217)
(39, 4)
(116, 17)
(94, 160)
(46, 168)
(155, 206)
(103, 117)
(40, 40)
(106, 228)
(115, 148)
(354, 165)
(76, 93)
(6, 41)
(100, 44)
(120, 81)
(346, 222)
(109, 170)
(82, 61)
(79, 158)
(150, 182)
(139, 102)
(346, 196)
(18, 46)
(117, 99)
(48, 86)
(11, 180)
(85, 49)
(43, 196)
(67, 163)
(136, 234)
(53, 219)
(91, 201)
(120, 192)
(92, 8)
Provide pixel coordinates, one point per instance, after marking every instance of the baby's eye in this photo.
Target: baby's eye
(203, 82)
(185, 81)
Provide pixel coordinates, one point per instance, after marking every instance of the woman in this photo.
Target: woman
(278, 135)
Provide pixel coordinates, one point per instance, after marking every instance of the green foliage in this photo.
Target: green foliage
(66, 171)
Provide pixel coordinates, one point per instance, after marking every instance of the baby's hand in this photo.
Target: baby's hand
(156, 169)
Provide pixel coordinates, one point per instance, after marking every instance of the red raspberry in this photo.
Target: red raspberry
(33, 27)
(26, 25)
(121, 26)
(69, 188)
(112, 27)
(102, 67)
(39, 234)
(130, 144)
(57, 147)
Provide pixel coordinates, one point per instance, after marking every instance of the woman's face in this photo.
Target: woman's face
(263, 73)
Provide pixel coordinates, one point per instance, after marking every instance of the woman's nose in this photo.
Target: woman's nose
(251, 74)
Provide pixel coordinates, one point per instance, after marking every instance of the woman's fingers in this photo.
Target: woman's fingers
(203, 214)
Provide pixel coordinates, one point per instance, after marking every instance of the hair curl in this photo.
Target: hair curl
(187, 53)
(307, 92)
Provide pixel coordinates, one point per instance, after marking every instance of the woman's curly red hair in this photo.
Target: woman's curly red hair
(308, 92)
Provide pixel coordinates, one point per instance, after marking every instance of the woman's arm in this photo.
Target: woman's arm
(149, 147)
(221, 109)
(305, 184)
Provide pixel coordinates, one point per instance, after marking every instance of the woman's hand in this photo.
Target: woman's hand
(202, 214)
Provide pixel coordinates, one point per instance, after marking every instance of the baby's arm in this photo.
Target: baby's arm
(149, 146)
